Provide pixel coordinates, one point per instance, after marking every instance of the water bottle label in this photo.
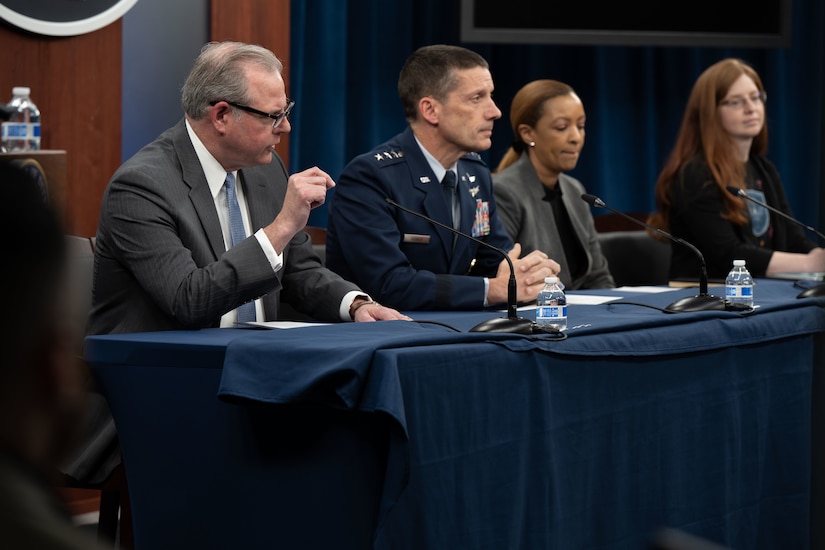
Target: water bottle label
(551, 312)
(739, 291)
(21, 130)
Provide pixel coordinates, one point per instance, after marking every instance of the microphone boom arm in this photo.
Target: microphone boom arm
(513, 322)
(735, 191)
(701, 302)
(818, 290)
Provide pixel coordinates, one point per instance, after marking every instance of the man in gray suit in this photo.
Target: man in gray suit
(165, 257)
(204, 227)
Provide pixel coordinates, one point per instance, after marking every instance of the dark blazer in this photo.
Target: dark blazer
(401, 260)
(160, 262)
(695, 207)
(529, 220)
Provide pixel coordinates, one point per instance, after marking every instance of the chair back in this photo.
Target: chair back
(635, 258)
(80, 274)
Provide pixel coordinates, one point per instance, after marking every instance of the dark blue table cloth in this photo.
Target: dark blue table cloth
(637, 419)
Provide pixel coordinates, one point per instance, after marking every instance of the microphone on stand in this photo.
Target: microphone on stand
(511, 323)
(702, 301)
(818, 290)
(742, 193)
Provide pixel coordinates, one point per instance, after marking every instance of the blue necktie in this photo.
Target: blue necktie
(448, 185)
(237, 233)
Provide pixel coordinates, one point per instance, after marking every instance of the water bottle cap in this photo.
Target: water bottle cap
(551, 280)
(738, 263)
(21, 90)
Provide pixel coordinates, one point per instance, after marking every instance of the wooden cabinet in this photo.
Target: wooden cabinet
(76, 83)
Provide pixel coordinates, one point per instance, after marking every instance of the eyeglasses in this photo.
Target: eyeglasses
(738, 102)
(277, 119)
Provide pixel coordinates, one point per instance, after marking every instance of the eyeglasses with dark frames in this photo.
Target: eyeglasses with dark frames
(277, 119)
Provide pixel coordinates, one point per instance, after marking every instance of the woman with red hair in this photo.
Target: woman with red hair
(722, 142)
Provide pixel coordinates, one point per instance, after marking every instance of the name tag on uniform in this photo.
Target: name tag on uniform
(416, 239)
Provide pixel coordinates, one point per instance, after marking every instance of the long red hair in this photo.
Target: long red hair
(702, 135)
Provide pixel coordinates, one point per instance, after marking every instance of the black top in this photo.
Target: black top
(696, 216)
(573, 251)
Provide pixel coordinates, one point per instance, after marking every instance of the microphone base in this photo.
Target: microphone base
(813, 292)
(518, 325)
(700, 302)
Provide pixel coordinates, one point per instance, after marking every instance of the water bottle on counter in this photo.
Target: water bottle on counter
(739, 285)
(551, 305)
(21, 132)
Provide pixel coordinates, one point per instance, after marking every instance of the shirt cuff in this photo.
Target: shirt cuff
(349, 298)
(486, 290)
(275, 260)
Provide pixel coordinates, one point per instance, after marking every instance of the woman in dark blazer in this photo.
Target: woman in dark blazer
(722, 142)
(540, 206)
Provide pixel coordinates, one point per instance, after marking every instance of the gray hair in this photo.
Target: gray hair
(219, 74)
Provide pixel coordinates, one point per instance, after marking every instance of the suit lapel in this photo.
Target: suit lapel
(260, 207)
(531, 183)
(464, 248)
(263, 205)
(199, 192)
(432, 199)
(572, 204)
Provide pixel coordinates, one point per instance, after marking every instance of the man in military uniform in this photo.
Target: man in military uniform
(432, 168)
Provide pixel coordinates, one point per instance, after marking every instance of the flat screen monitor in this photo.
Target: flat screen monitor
(711, 23)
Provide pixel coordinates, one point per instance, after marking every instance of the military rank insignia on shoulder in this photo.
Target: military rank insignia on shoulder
(474, 157)
(388, 156)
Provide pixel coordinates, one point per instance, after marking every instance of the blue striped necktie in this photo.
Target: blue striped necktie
(237, 233)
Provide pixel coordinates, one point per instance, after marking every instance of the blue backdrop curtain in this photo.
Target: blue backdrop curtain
(346, 55)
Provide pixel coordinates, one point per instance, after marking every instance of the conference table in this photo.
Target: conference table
(422, 434)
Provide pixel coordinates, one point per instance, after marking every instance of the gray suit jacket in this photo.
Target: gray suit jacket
(160, 262)
(530, 221)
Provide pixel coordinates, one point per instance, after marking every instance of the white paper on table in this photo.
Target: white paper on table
(648, 289)
(589, 300)
(283, 324)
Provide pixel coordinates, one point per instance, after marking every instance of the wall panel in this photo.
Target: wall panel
(76, 83)
(263, 22)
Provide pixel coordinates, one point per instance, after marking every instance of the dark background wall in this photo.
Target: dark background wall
(160, 41)
(346, 56)
(107, 93)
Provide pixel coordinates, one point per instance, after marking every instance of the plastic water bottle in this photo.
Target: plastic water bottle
(551, 306)
(22, 131)
(739, 285)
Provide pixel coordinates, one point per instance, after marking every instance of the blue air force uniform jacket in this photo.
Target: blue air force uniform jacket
(404, 261)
